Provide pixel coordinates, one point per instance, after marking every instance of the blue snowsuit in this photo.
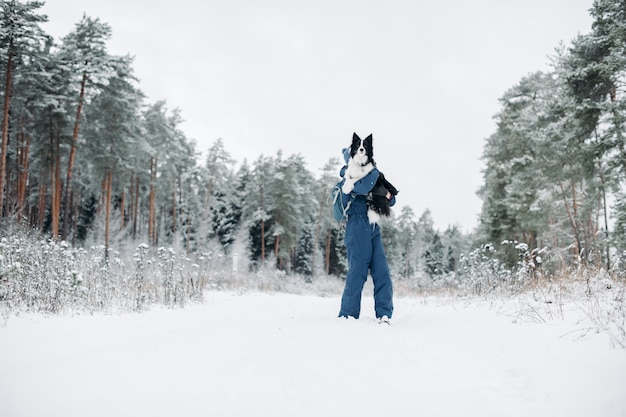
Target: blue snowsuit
(365, 252)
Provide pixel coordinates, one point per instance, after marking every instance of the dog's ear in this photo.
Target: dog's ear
(355, 138)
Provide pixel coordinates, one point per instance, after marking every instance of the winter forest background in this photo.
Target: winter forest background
(106, 201)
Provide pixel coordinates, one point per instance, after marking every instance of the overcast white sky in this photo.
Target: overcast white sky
(424, 77)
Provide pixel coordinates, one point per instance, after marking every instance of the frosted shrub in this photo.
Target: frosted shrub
(176, 282)
(618, 263)
(601, 296)
(483, 270)
(480, 271)
(140, 279)
(47, 276)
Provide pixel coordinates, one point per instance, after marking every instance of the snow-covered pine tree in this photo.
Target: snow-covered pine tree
(257, 207)
(304, 253)
(437, 258)
(407, 232)
(324, 222)
(20, 36)
(293, 205)
(85, 51)
(111, 139)
(217, 215)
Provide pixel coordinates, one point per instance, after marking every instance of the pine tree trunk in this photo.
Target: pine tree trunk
(292, 251)
(131, 193)
(107, 206)
(571, 216)
(150, 207)
(135, 206)
(590, 235)
(318, 229)
(188, 228)
(207, 208)
(152, 201)
(173, 212)
(70, 164)
(407, 262)
(102, 196)
(579, 241)
(262, 225)
(75, 199)
(122, 209)
(262, 241)
(52, 156)
(5, 126)
(41, 212)
(22, 167)
(16, 189)
(55, 182)
(328, 254)
(606, 223)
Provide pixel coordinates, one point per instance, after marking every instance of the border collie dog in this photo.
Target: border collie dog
(360, 163)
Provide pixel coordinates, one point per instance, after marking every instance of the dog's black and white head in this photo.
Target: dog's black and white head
(362, 150)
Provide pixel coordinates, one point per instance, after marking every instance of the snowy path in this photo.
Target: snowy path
(287, 355)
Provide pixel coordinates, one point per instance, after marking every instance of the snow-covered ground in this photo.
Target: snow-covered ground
(288, 355)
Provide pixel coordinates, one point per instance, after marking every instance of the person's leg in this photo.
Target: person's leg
(383, 288)
(359, 251)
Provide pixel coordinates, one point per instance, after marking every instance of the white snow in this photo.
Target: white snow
(288, 355)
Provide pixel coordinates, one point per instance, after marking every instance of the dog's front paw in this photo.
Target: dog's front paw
(347, 187)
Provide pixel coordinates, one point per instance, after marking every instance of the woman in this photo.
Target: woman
(365, 251)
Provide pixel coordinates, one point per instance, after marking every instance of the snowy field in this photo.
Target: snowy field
(288, 355)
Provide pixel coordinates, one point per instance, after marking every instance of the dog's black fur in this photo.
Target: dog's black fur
(377, 198)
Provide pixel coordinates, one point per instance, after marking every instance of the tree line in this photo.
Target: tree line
(556, 164)
(84, 156)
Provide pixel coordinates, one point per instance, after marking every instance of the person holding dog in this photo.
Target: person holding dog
(366, 194)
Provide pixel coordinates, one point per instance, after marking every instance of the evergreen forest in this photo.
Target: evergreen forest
(86, 160)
